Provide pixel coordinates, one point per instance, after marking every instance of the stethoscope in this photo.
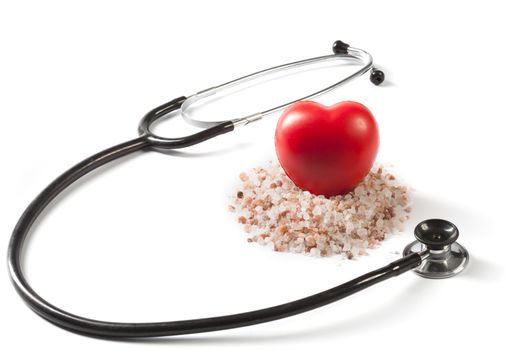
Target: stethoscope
(435, 253)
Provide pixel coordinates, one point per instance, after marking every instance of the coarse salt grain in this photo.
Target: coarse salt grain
(273, 210)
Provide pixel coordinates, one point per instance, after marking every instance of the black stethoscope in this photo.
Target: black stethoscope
(435, 253)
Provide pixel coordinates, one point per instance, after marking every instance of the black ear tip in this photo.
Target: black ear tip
(340, 47)
(377, 76)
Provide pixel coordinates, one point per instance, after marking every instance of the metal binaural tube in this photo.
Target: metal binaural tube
(352, 54)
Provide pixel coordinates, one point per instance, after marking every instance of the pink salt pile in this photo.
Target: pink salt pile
(273, 211)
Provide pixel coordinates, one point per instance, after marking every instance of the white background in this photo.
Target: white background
(149, 238)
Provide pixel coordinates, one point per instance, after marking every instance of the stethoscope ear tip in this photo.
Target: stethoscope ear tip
(441, 255)
(377, 76)
(340, 47)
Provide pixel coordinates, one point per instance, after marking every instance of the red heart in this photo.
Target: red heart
(327, 150)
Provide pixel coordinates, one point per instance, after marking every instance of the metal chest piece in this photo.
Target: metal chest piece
(444, 257)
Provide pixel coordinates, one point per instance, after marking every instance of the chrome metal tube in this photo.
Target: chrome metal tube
(353, 54)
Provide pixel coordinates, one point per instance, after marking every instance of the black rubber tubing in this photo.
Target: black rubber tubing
(106, 329)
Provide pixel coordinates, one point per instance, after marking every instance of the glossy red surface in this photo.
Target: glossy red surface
(327, 150)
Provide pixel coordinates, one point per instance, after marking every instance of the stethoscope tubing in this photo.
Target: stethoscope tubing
(98, 328)
(150, 141)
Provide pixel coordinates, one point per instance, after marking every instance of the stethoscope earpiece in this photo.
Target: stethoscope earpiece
(377, 76)
(441, 255)
(341, 48)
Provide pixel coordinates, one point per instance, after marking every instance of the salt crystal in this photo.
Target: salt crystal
(278, 214)
(362, 232)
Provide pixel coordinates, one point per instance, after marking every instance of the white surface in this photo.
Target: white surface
(149, 238)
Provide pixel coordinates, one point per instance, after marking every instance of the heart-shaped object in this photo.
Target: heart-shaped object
(327, 150)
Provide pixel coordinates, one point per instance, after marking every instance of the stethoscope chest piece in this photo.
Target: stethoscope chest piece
(442, 256)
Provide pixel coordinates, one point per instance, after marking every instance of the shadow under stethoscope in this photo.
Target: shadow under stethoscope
(378, 314)
(413, 297)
